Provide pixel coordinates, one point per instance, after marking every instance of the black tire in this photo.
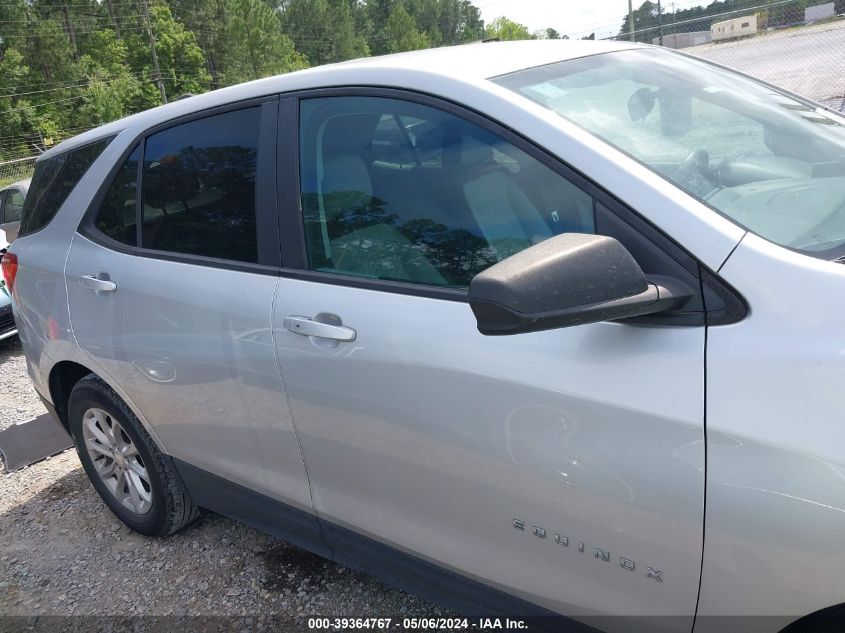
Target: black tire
(171, 508)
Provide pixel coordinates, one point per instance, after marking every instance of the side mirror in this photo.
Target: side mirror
(569, 279)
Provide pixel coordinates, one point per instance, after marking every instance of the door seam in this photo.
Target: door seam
(67, 291)
(292, 421)
(285, 388)
(704, 501)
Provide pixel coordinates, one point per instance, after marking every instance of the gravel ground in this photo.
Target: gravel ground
(63, 553)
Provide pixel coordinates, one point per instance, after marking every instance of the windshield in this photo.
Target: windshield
(770, 162)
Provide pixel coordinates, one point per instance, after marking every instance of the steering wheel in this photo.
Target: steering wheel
(694, 172)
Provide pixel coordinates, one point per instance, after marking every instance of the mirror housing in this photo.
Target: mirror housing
(566, 280)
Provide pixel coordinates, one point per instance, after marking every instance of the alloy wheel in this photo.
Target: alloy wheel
(117, 461)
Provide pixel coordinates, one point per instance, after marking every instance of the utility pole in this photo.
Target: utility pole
(145, 12)
(674, 28)
(659, 23)
(631, 19)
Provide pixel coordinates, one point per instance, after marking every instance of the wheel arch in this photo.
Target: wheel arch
(827, 620)
(63, 377)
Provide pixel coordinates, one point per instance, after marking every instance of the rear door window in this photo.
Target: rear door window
(52, 183)
(198, 187)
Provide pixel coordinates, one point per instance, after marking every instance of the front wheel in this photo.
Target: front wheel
(134, 478)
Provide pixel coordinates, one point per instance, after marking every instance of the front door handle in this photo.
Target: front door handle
(100, 285)
(309, 327)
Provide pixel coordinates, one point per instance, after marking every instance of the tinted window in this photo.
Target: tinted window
(117, 216)
(13, 206)
(400, 191)
(198, 187)
(53, 181)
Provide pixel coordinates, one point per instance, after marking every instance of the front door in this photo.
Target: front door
(567, 466)
(176, 308)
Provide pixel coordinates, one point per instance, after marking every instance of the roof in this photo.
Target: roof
(491, 59)
(468, 63)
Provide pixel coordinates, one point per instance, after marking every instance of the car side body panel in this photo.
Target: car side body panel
(40, 305)
(41, 308)
(428, 436)
(775, 470)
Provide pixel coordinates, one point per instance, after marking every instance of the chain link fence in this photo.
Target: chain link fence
(14, 170)
(796, 44)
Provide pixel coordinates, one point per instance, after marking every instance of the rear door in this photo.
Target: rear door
(171, 285)
(565, 467)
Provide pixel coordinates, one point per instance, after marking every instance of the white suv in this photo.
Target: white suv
(535, 328)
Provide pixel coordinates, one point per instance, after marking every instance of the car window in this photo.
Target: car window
(400, 191)
(52, 182)
(117, 216)
(13, 206)
(198, 187)
(771, 162)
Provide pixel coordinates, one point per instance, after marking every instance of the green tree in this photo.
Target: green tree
(16, 113)
(324, 30)
(208, 20)
(259, 47)
(401, 32)
(180, 59)
(506, 29)
(459, 21)
(110, 89)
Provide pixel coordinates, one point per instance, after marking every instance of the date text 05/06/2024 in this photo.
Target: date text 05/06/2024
(411, 624)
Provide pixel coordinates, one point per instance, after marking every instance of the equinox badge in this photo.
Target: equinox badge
(598, 553)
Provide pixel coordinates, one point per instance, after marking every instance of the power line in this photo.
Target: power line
(70, 87)
(63, 34)
(46, 103)
(38, 137)
(85, 18)
(70, 84)
(94, 5)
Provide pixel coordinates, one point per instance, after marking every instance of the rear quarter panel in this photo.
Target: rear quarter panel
(40, 305)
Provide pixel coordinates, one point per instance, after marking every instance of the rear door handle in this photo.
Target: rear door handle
(309, 327)
(100, 285)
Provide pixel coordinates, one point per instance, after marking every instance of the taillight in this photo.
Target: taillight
(10, 269)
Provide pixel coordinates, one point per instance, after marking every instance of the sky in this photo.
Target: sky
(575, 18)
